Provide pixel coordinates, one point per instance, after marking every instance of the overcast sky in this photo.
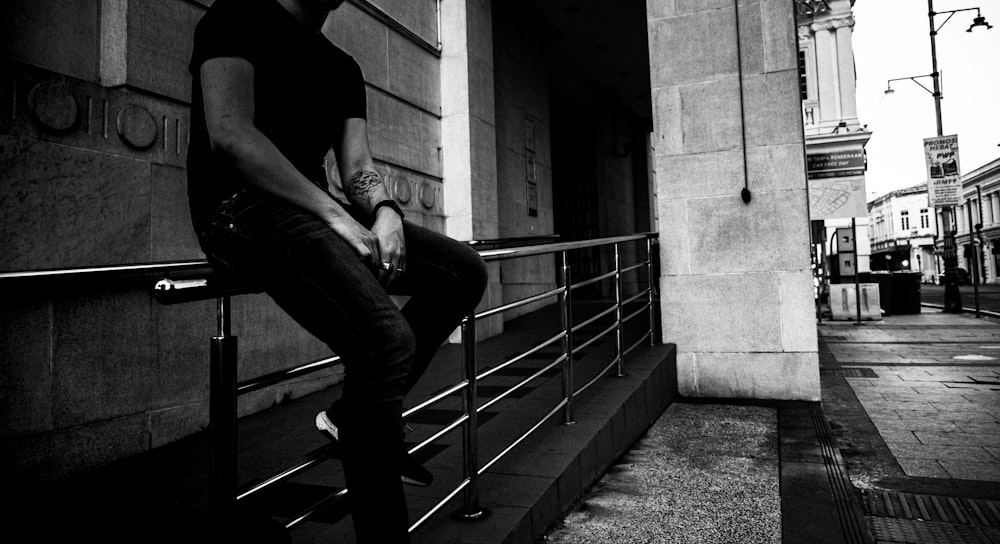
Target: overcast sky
(891, 40)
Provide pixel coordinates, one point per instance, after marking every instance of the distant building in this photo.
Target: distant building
(835, 140)
(981, 185)
(904, 238)
(902, 233)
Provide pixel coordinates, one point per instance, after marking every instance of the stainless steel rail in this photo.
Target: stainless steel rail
(225, 389)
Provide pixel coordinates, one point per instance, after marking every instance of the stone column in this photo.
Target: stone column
(468, 130)
(737, 294)
(843, 28)
(995, 205)
(827, 81)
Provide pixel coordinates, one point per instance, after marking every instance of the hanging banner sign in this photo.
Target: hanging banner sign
(944, 183)
(840, 164)
(836, 179)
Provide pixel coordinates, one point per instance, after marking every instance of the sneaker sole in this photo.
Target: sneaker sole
(321, 428)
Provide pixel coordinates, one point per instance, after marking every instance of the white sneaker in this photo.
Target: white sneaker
(326, 427)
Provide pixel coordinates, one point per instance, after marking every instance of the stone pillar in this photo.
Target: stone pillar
(827, 81)
(736, 284)
(843, 28)
(468, 130)
(995, 204)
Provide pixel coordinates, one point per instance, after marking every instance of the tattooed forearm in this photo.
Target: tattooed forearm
(364, 186)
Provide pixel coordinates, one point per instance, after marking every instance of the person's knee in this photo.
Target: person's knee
(475, 276)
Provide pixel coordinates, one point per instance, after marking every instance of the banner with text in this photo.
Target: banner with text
(836, 183)
(944, 183)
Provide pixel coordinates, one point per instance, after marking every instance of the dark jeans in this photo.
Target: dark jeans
(312, 273)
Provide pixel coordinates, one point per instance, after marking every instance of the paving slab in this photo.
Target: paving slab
(703, 473)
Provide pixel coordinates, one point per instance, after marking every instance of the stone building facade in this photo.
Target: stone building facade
(488, 119)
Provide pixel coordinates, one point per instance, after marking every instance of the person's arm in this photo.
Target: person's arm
(227, 88)
(364, 187)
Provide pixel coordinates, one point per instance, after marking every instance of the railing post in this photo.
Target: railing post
(470, 432)
(566, 305)
(222, 413)
(651, 270)
(619, 329)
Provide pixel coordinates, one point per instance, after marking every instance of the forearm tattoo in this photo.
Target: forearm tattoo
(364, 186)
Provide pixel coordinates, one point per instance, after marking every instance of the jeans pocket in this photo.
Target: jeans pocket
(227, 237)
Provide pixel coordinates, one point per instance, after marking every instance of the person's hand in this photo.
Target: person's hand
(388, 229)
(362, 240)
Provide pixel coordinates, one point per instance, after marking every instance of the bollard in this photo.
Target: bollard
(619, 330)
(566, 305)
(471, 510)
(222, 414)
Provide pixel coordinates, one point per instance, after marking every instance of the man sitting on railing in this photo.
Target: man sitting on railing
(271, 95)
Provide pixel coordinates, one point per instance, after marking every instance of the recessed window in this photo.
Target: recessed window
(803, 86)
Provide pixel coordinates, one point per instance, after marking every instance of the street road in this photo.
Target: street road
(989, 296)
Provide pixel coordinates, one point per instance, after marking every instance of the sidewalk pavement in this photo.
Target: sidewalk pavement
(914, 404)
(904, 448)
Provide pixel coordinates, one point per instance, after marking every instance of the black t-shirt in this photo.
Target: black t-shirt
(304, 86)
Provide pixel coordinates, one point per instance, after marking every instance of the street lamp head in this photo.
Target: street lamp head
(979, 21)
(888, 90)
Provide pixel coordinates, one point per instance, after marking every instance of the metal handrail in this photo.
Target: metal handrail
(225, 388)
(169, 267)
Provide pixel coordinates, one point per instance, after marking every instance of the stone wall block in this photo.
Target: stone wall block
(414, 74)
(776, 168)
(757, 375)
(97, 444)
(57, 35)
(183, 352)
(751, 39)
(710, 116)
(480, 27)
(172, 424)
(681, 54)
(363, 38)
(668, 121)
(740, 310)
(398, 133)
(430, 138)
(779, 33)
(776, 115)
(675, 249)
(159, 46)
(103, 352)
(418, 16)
(481, 92)
(64, 207)
(419, 196)
(696, 6)
(730, 237)
(54, 108)
(798, 311)
(173, 236)
(25, 359)
(484, 177)
(270, 340)
(683, 177)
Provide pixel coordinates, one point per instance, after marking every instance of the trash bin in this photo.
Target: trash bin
(885, 291)
(905, 293)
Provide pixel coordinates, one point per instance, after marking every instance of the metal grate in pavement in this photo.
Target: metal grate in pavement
(907, 531)
(936, 508)
(854, 372)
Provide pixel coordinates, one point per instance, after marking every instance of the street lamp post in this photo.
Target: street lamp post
(952, 296)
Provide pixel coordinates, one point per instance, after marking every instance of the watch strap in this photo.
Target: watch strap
(390, 203)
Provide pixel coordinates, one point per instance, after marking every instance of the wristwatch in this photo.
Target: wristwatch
(388, 203)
